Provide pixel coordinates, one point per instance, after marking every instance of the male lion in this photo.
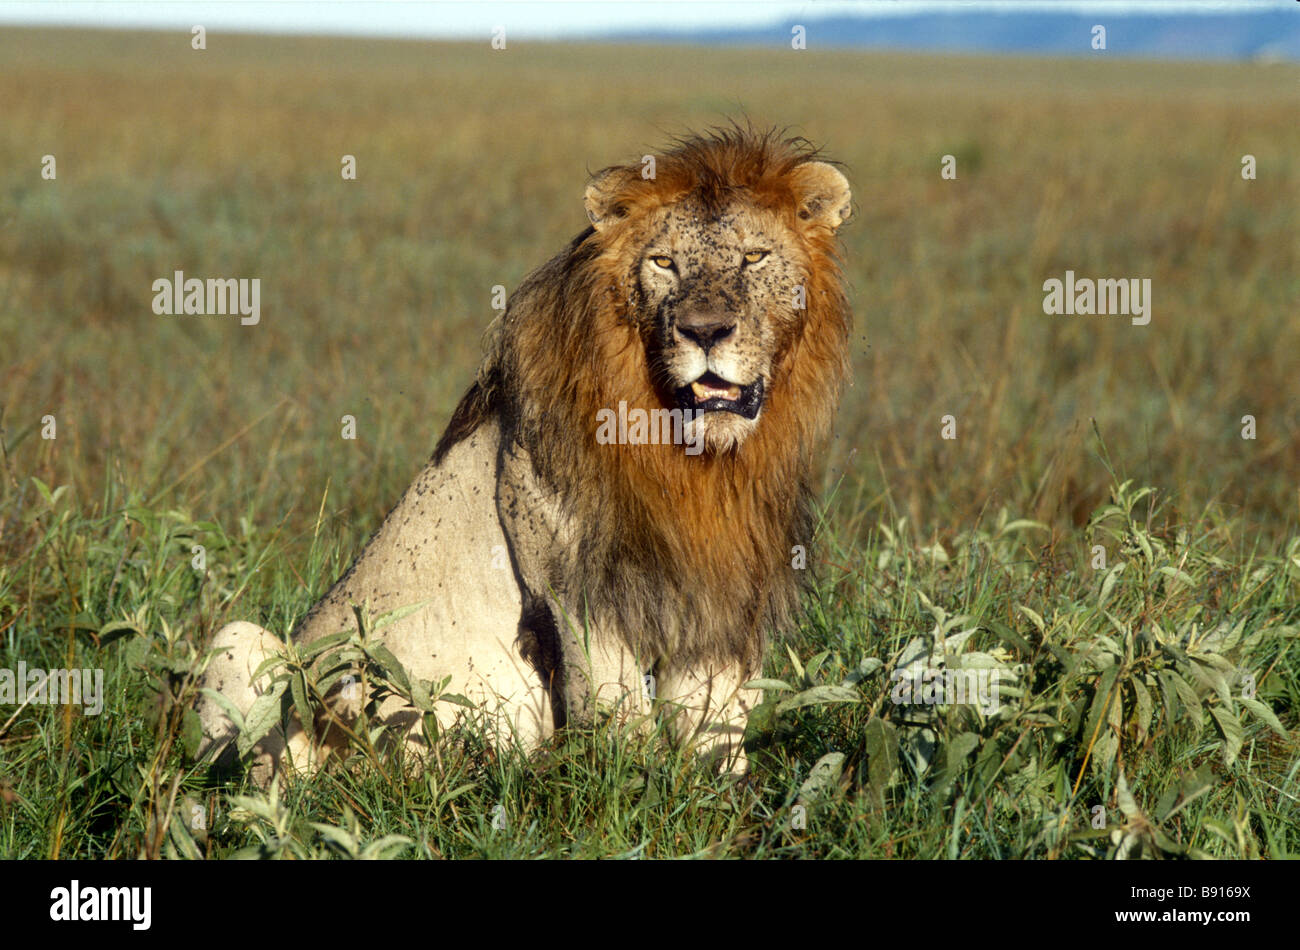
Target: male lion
(562, 563)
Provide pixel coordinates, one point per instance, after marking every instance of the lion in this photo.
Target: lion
(563, 562)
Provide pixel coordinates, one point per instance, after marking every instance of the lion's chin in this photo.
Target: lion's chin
(720, 432)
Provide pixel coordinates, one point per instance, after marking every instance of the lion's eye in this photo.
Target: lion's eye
(753, 257)
(659, 260)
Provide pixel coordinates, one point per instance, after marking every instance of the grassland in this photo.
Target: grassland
(195, 430)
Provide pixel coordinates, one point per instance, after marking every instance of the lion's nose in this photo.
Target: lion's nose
(706, 329)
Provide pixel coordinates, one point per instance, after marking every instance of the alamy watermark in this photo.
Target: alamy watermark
(649, 427)
(79, 903)
(37, 687)
(1128, 296)
(944, 687)
(215, 296)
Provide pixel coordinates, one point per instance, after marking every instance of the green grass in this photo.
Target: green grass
(174, 432)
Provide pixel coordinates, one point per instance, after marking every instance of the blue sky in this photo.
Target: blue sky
(523, 18)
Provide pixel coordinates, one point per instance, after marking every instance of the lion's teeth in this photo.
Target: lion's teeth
(704, 392)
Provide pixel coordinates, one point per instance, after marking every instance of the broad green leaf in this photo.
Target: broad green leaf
(959, 748)
(1104, 753)
(1220, 663)
(392, 616)
(230, 709)
(1261, 711)
(881, 743)
(337, 835)
(261, 718)
(1108, 583)
(816, 662)
(824, 778)
(769, 684)
(298, 687)
(1221, 828)
(1007, 635)
(954, 643)
(268, 664)
(816, 695)
(1021, 524)
(1127, 803)
(1186, 696)
(191, 733)
(1115, 715)
(327, 681)
(117, 628)
(1110, 647)
(1214, 679)
(1178, 575)
(1141, 538)
(864, 669)
(391, 666)
(385, 848)
(1145, 707)
(794, 661)
(1233, 734)
(420, 697)
(431, 731)
(761, 723)
(324, 643)
(178, 831)
(915, 653)
(1193, 786)
(1098, 711)
(1034, 617)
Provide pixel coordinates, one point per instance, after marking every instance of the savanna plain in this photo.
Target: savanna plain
(1098, 530)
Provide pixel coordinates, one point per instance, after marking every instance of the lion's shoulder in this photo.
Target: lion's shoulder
(441, 544)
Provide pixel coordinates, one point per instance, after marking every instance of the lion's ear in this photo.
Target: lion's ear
(600, 197)
(824, 195)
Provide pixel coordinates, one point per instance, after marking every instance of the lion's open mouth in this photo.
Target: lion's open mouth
(712, 393)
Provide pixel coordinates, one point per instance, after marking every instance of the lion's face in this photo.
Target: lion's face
(717, 300)
(713, 260)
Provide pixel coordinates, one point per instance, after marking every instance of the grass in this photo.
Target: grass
(1131, 683)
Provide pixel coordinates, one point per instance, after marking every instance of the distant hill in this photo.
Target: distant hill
(1244, 34)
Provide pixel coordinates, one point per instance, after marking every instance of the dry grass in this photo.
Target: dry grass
(225, 162)
(471, 170)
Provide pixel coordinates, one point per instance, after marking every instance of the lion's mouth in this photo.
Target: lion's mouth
(712, 393)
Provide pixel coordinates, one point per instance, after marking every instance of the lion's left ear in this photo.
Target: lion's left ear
(824, 195)
(600, 197)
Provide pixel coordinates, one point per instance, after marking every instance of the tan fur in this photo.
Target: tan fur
(627, 560)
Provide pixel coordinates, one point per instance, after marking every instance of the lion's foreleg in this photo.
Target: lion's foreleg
(238, 649)
(708, 709)
(602, 677)
(598, 674)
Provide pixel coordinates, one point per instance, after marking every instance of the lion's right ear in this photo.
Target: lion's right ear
(824, 195)
(601, 198)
